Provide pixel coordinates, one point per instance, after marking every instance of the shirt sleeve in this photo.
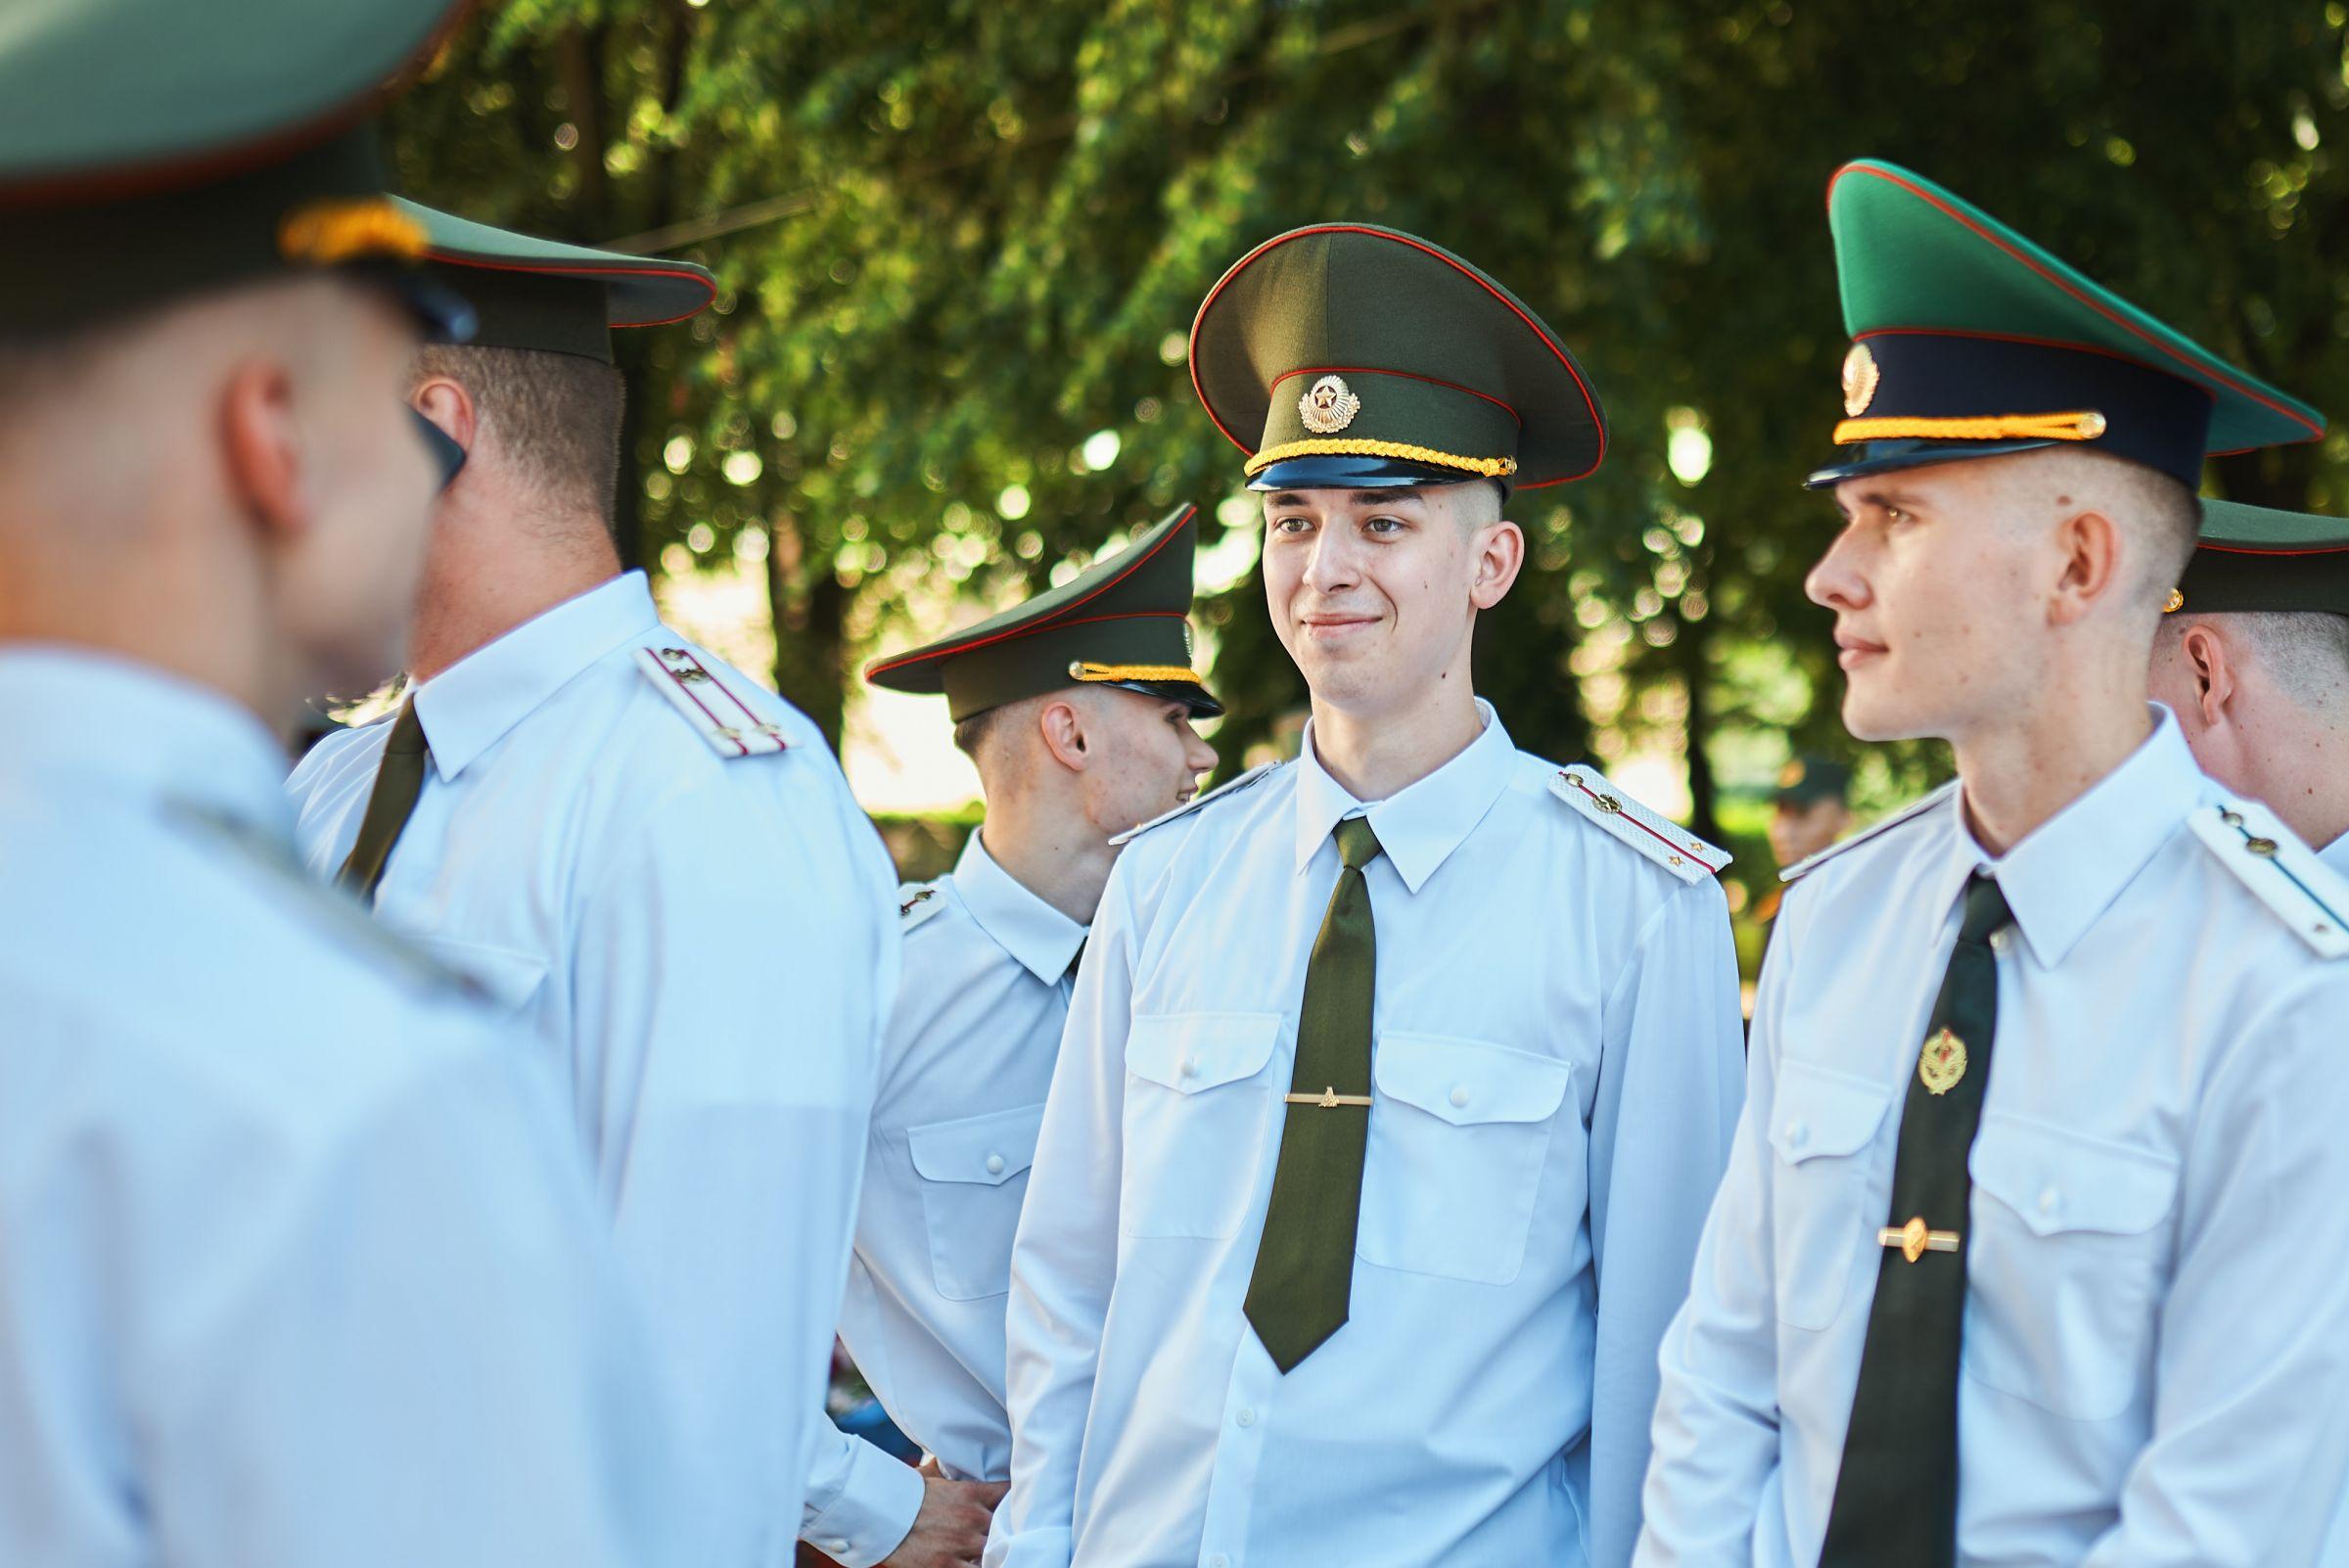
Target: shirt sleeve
(410, 1346)
(861, 1502)
(1716, 1431)
(2250, 1455)
(1064, 1259)
(1670, 1060)
(734, 962)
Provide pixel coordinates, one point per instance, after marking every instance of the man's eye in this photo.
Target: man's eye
(1383, 525)
(1290, 525)
(1894, 514)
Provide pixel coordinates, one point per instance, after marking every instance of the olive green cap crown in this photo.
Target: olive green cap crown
(1345, 347)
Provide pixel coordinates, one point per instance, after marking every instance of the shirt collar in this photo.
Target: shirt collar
(2335, 855)
(1421, 824)
(80, 714)
(1042, 939)
(470, 704)
(2071, 867)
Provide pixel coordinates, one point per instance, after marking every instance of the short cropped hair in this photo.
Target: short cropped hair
(558, 414)
(2305, 651)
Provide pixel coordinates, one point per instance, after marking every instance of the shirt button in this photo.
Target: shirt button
(1190, 1067)
(2000, 938)
(1247, 1415)
(1459, 1094)
(995, 1164)
(1798, 1133)
(1219, 1560)
(838, 1549)
(2049, 1200)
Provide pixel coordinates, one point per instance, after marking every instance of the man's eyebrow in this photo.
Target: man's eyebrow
(1385, 497)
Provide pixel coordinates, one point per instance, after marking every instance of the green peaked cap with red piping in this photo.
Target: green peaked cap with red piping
(2258, 558)
(1123, 622)
(1971, 340)
(1343, 354)
(553, 297)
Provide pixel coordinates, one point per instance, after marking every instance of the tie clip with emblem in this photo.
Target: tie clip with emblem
(1329, 1099)
(1914, 1240)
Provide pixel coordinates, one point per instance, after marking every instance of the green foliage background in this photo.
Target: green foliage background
(957, 239)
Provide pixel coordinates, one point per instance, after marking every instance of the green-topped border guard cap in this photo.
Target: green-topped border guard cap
(1344, 355)
(550, 297)
(1124, 622)
(151, 149)
(2258, 558)
(1969, 341)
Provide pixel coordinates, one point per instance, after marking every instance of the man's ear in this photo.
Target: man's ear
(447, 405)
(2204, 654)
(261, 447)
(1499, 557)
(2091, 551)
(1061, 722)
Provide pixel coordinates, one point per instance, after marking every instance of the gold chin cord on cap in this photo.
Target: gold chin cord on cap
(1485, 467)
(1083, 670)
(2079, 424)
(324, 233)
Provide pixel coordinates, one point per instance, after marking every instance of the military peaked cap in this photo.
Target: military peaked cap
(1343, 354)
(2255, 558)
(550, 297)
(151, 149)
(1969, 341)
(1122, 622)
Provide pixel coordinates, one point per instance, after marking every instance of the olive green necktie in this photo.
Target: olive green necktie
(1896, 1495)
(398, 780)
(1304, 1277)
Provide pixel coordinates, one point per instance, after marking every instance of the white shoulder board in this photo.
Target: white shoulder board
(708, 704)
(917, 902)
(1254, 775)
(2284, 873)
(1671, 847)
(1912, 809)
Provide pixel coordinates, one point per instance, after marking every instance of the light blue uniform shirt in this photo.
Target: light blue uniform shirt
(969, 1056)
(1556, 1072)
(703, 947)
(2157, 1351)
(298, 1265)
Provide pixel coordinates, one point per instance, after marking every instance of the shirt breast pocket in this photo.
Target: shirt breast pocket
(1460, 1134)
(1823, 1127)
(1196, 1107)
(507, 977)
(974, 1178)
(2065, 1266)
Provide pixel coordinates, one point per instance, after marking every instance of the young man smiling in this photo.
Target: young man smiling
(1396, 1078)
(1077, 708)
(2055, 1303)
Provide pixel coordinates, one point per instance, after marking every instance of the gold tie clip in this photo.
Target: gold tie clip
(1329, 1099)
(1914, 1240)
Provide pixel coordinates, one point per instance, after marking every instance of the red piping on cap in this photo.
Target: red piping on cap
(2199, 371)
(1207, 305)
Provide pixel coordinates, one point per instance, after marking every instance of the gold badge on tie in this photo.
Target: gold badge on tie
(1942, 1063)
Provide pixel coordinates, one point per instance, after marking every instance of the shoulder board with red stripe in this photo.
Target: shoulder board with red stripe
(917, 902)
(1914, 809)
(719, 716)
(1668, 843)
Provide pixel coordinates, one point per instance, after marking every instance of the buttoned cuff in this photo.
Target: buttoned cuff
(871, 1513)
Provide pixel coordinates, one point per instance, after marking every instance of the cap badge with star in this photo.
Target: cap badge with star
(2259, 558)
(1121, 623)
(154, 149)
(1346, 355)
(553, 297)
(1970, 341)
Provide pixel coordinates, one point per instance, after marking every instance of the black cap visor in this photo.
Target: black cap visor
(1350, 473)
